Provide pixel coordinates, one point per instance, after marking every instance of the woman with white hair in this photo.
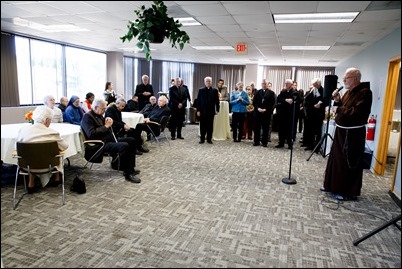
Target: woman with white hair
(39, 132)
(50, 102)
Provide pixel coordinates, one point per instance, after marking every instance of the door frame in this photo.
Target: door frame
(387, 114)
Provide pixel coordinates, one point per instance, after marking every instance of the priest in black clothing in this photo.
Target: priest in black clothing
(96, 127)
(120, 128)
(144, 91)
(154, 117)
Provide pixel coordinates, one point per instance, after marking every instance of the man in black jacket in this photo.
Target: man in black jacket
(154, 117)
(144, 91)
(207, 107)
(96, 127)
(120, 128)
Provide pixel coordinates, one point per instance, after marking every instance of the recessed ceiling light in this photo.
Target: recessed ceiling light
(134, 50)
(48, 28)
(316, 17)
(188, 21)
(305, 47)
(213, 47)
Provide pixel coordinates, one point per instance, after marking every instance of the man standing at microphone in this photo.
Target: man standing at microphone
(344, 171)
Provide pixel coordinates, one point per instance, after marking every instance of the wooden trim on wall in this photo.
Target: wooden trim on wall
(387, 113)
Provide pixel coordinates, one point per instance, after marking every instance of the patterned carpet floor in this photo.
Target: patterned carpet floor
(220, 205)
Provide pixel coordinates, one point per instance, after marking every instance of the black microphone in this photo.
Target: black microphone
(340, 89)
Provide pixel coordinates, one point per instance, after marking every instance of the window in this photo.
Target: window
(46, 68)
(85, 72)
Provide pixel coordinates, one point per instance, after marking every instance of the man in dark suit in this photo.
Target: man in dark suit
(120, 128)
(154, 117)
(314, 106)
(177, 105)
(149, 107)
(144, 91)
(96, 127)
(207, 107)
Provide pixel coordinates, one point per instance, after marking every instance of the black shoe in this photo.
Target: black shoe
(115, 165)
(235, 140)
(209, 142)
(264, 145)
(269, 140)
(308, 148)
(256, 144)
(201, 142)
(279, 146)
(137, 152)
(132, 179)
(143, 149)
(53, 183)
(135, 172)
(180, 137)
(173, 138)
(31, 190)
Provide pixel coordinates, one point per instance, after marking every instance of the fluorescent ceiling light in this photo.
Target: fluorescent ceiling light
(135, 50)
(188, 21)
(48, 28)
(305, 47)
(316, 17)
(213, 47)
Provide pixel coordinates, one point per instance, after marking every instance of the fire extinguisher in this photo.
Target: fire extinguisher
(371, 128)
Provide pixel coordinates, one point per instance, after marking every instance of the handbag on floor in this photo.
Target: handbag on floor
(78, 186)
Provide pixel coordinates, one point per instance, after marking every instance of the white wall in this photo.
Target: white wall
(373, 63)
(251, 75)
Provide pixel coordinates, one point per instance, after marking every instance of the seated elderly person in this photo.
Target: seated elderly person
(149, 107)
(96, 127)
(154, 117)
(74, 112)
(63, 105)
(50, 102)
(120, 128)
(40, 132)
(132, 105)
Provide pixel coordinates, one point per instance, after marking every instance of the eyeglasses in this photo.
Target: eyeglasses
(347, 77)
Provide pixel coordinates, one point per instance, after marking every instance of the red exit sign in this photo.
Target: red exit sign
(241, 48)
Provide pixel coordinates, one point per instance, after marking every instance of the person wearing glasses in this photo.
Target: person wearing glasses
(96, 127)
(344, 171)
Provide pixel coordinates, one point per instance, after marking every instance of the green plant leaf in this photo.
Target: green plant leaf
(155, 17)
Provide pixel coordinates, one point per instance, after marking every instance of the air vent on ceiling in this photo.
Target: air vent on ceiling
(327, 61)
(384, 5)
(355, 44)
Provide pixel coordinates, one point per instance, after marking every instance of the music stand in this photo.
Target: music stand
(330, 84)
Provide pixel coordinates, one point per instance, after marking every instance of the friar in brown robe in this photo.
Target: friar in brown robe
(344, 171)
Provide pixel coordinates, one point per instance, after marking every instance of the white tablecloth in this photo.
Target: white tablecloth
(69, 132)
(221, 123)
(132, 118)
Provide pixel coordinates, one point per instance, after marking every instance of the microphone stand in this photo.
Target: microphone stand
(288, 180)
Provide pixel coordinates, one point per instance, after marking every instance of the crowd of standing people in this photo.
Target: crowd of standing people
(252, 113)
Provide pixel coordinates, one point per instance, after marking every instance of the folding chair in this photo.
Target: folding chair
(37, 158)
(93, 152)
(162, 126)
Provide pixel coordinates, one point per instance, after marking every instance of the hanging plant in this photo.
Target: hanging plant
(153, 25)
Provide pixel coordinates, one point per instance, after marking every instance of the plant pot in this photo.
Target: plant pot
(159, 35)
